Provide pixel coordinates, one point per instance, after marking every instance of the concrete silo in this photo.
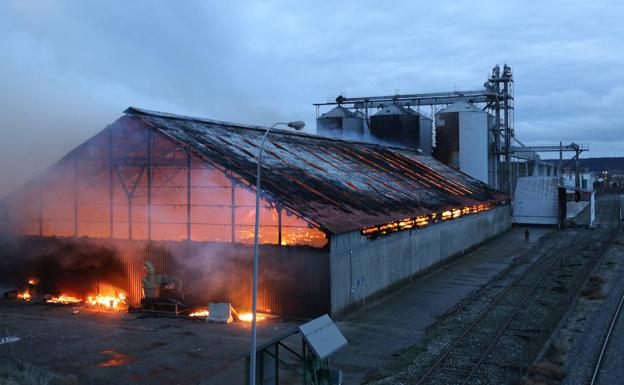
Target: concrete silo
(463, 137)
(401, 126)
(343, 124)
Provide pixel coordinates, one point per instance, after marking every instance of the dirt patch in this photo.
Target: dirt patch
(594, 290)
(157, 344)
(546, 372)
(161, 369)
(186, 333)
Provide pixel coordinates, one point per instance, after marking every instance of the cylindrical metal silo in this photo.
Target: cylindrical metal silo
(396, 125)
(341, 123)
(463, 137)
(365, 127)
(426, 134)
(447, 138)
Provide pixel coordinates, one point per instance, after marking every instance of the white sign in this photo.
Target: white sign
(323, 336)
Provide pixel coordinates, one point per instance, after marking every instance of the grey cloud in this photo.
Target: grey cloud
(69, 68)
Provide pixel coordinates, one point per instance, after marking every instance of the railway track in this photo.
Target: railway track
(605, 344)
(462, 360)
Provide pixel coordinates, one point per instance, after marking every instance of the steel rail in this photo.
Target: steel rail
(542, 269)
(535, 267)
(589, 265)
(605, 344)
(500, 331)
(511, 316)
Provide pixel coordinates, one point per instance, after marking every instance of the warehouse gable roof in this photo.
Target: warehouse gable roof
(340, 185)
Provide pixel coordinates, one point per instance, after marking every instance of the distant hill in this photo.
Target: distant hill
(597, 164)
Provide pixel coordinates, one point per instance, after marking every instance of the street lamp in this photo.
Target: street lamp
(297, 125)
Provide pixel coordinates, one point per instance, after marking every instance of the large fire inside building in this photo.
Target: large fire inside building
(341, 221)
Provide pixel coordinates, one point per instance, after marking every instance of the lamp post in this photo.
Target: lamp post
(297, 125)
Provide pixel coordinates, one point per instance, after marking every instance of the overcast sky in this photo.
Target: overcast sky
(69, 68)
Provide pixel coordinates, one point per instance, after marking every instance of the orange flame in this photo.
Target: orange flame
(199, 313)
(25, 296)
(64, 299)
(117, 301)
(248, 317)
(310, 236)
(423, 220)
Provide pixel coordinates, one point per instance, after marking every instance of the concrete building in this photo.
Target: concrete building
(341, 222)
(539, 200)
(586, 180)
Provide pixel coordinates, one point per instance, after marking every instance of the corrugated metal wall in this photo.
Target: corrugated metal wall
(293, 280)
(132, 255)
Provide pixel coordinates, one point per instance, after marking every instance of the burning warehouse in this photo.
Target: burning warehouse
(340, 221)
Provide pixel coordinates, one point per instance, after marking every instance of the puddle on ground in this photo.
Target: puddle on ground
(116, 359)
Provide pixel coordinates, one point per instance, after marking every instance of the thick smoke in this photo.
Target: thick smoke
(72, 267)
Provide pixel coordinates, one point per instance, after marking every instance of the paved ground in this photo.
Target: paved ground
(398, 321)
(119, 347)
(151, 351)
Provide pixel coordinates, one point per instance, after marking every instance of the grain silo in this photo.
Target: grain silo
(342, 124)
(401, 126)
(365, 125)
(463, 137)
(426, 134)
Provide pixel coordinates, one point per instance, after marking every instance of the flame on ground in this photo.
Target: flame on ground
(245, 317)
(64, 299)
(117, 301)
(25, 296)
(248, 317)
(199, 313)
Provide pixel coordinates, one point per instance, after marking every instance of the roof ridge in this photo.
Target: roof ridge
(136, 111)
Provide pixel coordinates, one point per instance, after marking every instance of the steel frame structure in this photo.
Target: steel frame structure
(532, 151)
(496, 97)
(133, 172)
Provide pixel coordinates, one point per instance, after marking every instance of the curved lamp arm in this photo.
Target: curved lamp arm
(297, 125)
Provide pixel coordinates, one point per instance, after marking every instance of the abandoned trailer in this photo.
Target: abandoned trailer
(340, 222)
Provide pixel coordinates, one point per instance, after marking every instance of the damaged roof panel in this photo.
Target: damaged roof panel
(341, 185)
